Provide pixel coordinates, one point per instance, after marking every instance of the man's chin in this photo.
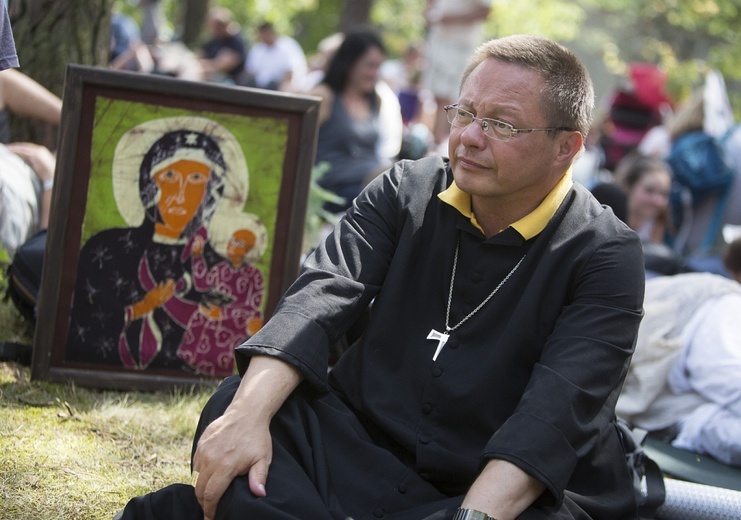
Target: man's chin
(474, 183)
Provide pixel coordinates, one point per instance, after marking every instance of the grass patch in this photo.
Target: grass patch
(74, 453)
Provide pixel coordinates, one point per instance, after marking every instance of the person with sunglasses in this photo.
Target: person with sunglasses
(504, 306)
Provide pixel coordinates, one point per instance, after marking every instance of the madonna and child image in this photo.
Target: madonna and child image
(178, 288)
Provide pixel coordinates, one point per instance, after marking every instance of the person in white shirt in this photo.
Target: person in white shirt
(26, 169)
(684, 382)
(276, 62)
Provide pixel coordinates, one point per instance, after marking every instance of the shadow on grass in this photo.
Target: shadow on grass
(68, 452)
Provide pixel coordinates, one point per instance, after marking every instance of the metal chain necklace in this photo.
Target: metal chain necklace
(442, 337)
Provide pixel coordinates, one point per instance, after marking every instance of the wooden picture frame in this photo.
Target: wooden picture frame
(176, 224)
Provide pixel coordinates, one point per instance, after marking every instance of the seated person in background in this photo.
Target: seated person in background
(612, 196)
(644, 183)
(509, 411)
(125, 36)
(701, 212)
(403, 76)
(26, 169)
(276, 61)
(350, 117)
(26, 179)
(23, 96)
(684, 382)
(222, 56)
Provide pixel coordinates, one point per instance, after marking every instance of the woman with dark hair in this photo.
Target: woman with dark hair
(646, 182)
(349, 117)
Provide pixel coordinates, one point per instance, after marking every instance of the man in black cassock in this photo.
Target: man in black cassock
(505, 307)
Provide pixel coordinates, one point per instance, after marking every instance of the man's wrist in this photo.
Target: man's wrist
(471, 514)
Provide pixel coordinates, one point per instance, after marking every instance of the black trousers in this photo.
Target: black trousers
(326, 466)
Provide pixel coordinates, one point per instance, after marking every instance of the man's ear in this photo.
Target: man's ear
(570, 144)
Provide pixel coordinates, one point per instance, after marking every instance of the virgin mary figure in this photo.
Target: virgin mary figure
(134, 296)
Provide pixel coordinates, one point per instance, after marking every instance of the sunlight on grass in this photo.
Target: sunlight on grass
(74, 453)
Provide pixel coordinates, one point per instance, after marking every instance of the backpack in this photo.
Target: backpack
(648, 480)
(24, 275)
(701, 168)
(24, 281)
(700, 164)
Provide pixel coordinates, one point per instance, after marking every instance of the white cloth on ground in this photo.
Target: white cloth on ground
(710, 366)
(686, 369)
(20, 191)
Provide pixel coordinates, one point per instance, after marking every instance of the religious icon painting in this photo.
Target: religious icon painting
(177, 223)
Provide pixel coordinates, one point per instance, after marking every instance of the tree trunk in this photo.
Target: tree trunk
(355, 14)
(193, 17)
(49, 34)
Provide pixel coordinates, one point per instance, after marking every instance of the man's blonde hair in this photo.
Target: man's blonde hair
(568, 96)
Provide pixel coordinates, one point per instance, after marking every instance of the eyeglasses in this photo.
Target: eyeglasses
(492, 128)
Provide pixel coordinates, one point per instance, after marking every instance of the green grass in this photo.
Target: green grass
(74, 453)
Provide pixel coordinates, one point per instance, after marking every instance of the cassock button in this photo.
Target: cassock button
(427, 408)
(424, 440)
(475, 276)
(425, 476)
(402, 488)
(437, 372)
(379, 513)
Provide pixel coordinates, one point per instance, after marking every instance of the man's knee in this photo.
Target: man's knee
(215, 407)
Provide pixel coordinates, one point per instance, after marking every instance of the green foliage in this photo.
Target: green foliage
(312, 25)
(557, 19)
(403, 23)
(685, 37)
(318, 218)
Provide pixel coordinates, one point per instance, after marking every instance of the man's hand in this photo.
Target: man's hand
(39, 157)
(233, 445)
(239, 442)
(42, 162)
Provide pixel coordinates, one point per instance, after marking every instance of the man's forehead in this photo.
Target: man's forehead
(501, 83)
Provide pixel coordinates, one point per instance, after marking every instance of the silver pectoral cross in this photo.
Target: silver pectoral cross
(441, 339)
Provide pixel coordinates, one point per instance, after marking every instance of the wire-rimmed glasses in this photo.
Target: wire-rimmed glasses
(492, 128)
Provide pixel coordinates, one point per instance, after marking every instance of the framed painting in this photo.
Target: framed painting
(176, 224)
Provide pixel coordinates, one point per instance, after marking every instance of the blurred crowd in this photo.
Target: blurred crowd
(669, 170)
(377, 108)
(374, 110)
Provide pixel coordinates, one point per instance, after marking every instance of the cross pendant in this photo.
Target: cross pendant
(441, 339)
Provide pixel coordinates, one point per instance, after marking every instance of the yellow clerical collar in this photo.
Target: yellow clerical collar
(529, 225)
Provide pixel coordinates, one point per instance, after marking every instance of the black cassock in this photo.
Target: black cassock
(531, 378)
